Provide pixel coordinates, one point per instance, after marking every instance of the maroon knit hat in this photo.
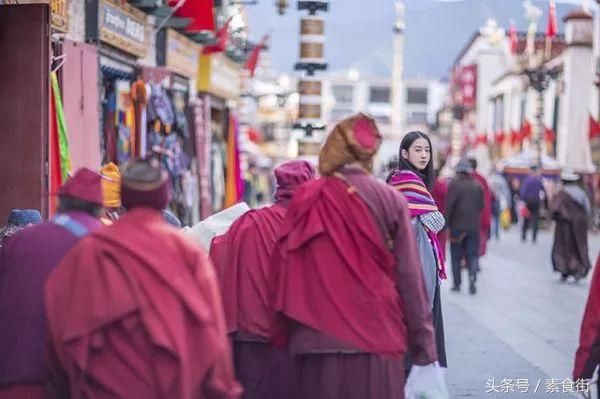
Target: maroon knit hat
(144, 184)
(85, 185)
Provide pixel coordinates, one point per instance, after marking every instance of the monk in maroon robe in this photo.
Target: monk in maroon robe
(350, 290)
(439, 194)
(486, 213)
(242, 258)
(26, 260)
(134, 310)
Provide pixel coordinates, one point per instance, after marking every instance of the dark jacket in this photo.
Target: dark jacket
(464, 204)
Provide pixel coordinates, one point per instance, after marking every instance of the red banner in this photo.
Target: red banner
(499, 137)
(200, 11)
(594, 129)
(467, 85)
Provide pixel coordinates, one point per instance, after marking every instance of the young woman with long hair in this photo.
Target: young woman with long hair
(415, 179)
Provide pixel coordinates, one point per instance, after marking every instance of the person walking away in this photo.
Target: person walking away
(414, 179)
(587, 357)
(532, 192)
(351, 297)
(515, 188)
(571, 209)
(134, 310)
(465, 204)
(501, 200)
(18, 219)
(243, 260)
(486, 214)
(26, 260)
(111, 192)
(439, 194)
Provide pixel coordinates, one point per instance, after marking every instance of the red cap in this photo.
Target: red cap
(85, 184)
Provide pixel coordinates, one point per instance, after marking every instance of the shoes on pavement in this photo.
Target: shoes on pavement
(564, 278)
(455, 289)
(472, 289)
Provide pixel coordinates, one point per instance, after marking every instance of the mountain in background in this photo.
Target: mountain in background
(359, 36)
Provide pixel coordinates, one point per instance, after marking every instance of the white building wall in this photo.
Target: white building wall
(573, 140)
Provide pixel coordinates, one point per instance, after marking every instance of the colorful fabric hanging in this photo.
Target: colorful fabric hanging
(234, 185)
(61, 126)
(54, 172)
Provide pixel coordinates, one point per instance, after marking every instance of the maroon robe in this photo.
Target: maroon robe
(243, 260)
(134, 312)
(587, 357)
(439, 193)
(26, 260)
(351, 293)
(486, 213)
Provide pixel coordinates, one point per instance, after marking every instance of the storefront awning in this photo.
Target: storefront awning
(199, 11)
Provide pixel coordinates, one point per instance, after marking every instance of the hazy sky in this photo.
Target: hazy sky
(361, 36)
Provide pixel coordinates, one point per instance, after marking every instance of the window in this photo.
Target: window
(416, 96)
(416, 118)
(379, 95)
(383, 119)
(498, 122)
(340, 113)
(343, 93)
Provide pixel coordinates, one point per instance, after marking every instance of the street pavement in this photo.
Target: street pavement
(518, 335)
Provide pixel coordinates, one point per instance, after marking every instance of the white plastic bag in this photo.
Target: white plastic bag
(214, 225)
(426, 382)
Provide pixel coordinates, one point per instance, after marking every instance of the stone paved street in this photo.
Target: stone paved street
(522, 324)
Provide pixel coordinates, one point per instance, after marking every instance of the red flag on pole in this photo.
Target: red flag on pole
(200, 11)
(252, 60)
(513, 37)
(222, 40)
(552, 26)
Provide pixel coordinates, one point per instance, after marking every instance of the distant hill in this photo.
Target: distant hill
(361, 37)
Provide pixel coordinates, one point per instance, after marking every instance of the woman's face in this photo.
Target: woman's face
(418, 154)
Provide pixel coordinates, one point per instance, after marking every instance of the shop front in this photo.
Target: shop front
(219, 90)
(121, 32)
(178, 56)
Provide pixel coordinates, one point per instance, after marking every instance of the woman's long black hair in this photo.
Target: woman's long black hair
(426, 174)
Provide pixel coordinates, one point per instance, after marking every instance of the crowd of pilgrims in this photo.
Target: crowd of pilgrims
(331, 292)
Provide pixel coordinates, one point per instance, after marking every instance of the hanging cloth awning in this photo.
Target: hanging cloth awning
(201, 12)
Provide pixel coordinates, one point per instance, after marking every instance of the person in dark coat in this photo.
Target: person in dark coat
(532, 193)
(464, 206)
(486, 214)
(587, 357)
(571, 209)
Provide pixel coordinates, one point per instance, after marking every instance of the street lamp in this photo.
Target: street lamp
(539, 78)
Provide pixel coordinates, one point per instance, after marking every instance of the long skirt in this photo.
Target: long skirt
(264, 371)
(438, 327)
(348, 376)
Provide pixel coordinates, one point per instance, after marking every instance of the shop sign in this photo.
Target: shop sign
(219, 76)
(122, 26)
(182, 54)
(59, 15)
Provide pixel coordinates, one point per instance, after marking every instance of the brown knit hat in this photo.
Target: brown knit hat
(354, 139)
